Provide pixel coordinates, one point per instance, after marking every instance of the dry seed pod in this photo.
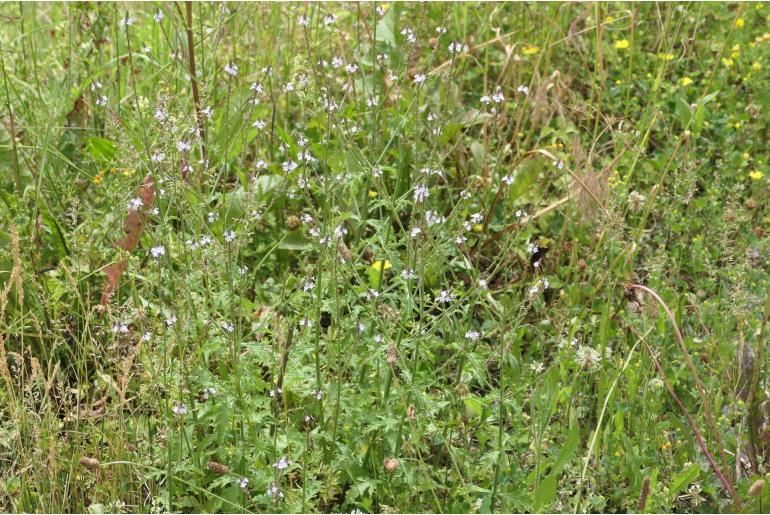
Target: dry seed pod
(218, 468)
(89, 463)
(392, 356)
(292, 222)
(344, 251)
(756, 488)
(391, 464)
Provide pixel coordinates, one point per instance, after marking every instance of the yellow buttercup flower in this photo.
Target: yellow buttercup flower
(666, 57)
(530, 49)
(686, 81)
(739, 23)
(727, 61)
(622, 44)
(745, 156)
(372, 194)
(380, 264)
(756, 66)
(756, 175)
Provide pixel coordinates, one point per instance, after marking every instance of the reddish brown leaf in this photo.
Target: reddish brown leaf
(133, 226)
(113, 271)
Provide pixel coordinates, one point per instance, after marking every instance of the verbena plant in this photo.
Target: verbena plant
(372, 257)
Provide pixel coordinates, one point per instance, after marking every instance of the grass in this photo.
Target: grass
(429, 257)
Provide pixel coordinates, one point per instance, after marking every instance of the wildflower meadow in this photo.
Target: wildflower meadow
(384, 257)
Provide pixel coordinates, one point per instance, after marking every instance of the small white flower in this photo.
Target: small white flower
(282, 464)
(419, 78)
(158, 16)
(229, 236)
(407, 274)
(559, 164)
(259, 124)
(486, 99)
(135, 204)
(229, 327)
(457, 48)
(498, 97)
(126, 22)
(160, 114)
(523, 89)
(508, 179)
(532, 248)
(444, 297)
(472, 335)
(243, 483)
(158, 157)
(146, 337)
(120, 328)
(377, 172)
(102, 100)
(96, 85)
(289, 166)
(303, 21)
(309, 284)
(351, 68)
(231, 69)
(421, 192)
(183, 146)
(415, 232)
(274, 492)
(179, 409)
(537, 366)
(330, 19)
(158, 251)
(482, 284)
(171, 320)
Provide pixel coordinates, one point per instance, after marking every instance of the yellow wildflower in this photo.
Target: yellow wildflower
(372, 194)
(530, 49)
(477, 228)
(380, 264)
(745, 156)
(756, 66)
(739, 23)
(622, 44)
(756, 175)
(727, 61)
(686, 81)
(666, 56)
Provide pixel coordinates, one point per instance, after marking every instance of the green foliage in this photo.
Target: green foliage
(382, 257)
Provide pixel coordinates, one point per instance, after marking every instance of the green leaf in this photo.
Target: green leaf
(101, 149)
(386, 27)
(294, 242)
(545, 493)
(684, 478)
(567, 451)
